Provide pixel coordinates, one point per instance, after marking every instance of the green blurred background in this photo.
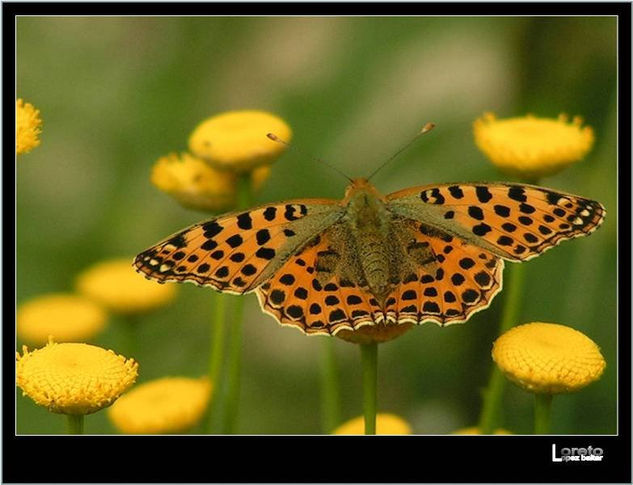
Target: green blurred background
(117, 93)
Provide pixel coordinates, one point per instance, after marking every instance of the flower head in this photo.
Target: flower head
(197, 185)
(532, 147)
(65, 317)
(28, 126)
(194, 183)
(374, 333)
(74, 378)
(476, 430)
(115, 285)
(385, 424)
(167, 405)
(237, 141)
(548, 358)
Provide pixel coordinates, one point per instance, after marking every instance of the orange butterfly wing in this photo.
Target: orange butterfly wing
(513, 221)
(460, 232)
(296, 297)
(458, 280)
(237, 252)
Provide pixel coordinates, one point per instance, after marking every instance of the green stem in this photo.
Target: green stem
(330, 401)
(234, 368)
(244, 195)
(369, 361)
(511, 310)
(542, 411)
(130, 330)
(75, 423)
(217, 353)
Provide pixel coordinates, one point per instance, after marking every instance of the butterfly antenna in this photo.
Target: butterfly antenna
(425, 129)
(274, 137)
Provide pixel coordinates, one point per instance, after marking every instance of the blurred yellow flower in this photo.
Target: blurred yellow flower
(197, 185)
(193, 183)
(259, 177)
(476, 430)
(167, 405)
(65, 317)
(115, 285)
(385, 424)
(74, 378)
(237, 141)
(548, 358)
(28, 126)
(532, 147)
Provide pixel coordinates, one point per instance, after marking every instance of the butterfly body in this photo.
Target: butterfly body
(371, 264)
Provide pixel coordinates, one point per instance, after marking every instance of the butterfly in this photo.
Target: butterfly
(430, 253)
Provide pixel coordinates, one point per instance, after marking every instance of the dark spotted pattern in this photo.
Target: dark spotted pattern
(209, 245)
(244, 221)
(481, 229)
(502, 210)
(476, 213)
(483, 194)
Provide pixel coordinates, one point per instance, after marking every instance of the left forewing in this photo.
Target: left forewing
(513, 221)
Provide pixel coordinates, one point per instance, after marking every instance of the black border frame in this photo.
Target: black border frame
(313, 458)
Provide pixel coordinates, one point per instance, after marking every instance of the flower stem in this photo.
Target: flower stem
(542, 411)
(330, 403)
(244, 197)
(130, 329)
(369, 361)
(493, 394)
(75, 423)
(217, 353)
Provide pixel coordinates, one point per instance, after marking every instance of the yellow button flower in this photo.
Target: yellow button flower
(28, 126)
(237, 141)
(476, 430)
(74, 378)
(385, 424)
(259, 177)
(65, 317)
(197, 185)
(374, 333)
(115, 285)
(193, 183)
(548, 358)
(167, 405)
(532, 147)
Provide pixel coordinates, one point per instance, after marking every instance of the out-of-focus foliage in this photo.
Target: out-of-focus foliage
(118, 93)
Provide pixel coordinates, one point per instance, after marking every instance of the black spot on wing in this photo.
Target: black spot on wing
(244, 221)
(270, 213)
(483, 194)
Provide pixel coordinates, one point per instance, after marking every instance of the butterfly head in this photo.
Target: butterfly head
(361, 193)
(361, 188)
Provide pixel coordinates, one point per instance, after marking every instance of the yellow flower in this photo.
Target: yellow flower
(259, 176)
(196, 185)
(548, 358)
(374, 333)
(167, 405)
(385, 424)
(74, 378)
(65, 317)
(532, 147)
(193, 183)
(115, 285)
(237, 141)
(28, 126)
(476, 430)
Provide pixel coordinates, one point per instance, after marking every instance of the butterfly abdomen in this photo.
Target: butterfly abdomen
(370, 227)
